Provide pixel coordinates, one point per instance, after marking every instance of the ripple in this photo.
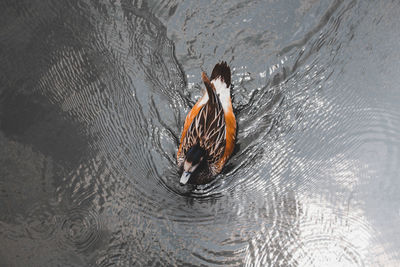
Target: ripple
(328, 250)
(80, 230)
(312, 180)
(41, 223)
(332, 236)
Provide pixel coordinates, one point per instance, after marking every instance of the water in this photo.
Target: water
(93, 96)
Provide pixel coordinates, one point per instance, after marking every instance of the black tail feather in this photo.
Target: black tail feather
(222, 70)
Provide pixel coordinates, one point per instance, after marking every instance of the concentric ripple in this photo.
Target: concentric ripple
(80, 230)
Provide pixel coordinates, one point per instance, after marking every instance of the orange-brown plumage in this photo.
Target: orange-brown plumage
(209, 131)
(230, 121)
(189, 118)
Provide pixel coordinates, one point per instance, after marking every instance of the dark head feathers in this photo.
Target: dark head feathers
(222, 70)
(195, 154)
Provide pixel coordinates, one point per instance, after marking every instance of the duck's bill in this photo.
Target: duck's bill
(184, 178)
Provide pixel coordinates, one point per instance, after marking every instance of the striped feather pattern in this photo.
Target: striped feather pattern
(208, 125)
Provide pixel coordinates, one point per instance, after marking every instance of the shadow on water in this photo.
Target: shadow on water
(92, 100)
(32, 121)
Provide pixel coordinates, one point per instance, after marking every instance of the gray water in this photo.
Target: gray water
(93, 96)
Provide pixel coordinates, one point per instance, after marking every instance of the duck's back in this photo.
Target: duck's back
(211, 122)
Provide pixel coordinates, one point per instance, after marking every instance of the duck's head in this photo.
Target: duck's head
(194, 156)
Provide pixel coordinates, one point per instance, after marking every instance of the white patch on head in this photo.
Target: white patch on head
(187, 166)
(223, 92)
(188, 169)
(194, 167)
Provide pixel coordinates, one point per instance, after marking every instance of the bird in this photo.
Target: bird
(209, 132)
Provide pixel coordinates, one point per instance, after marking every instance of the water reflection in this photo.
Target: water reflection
(93, 97)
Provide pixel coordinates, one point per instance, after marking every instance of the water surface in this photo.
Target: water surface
(93, 96)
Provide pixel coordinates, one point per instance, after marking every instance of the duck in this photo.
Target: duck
(209, 133)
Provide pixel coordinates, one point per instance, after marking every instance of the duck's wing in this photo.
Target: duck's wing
(186, 140)
(221, 79)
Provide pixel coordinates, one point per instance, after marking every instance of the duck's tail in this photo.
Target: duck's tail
(222, 71)
(211, 91)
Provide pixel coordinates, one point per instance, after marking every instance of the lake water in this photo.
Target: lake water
(93, 96)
